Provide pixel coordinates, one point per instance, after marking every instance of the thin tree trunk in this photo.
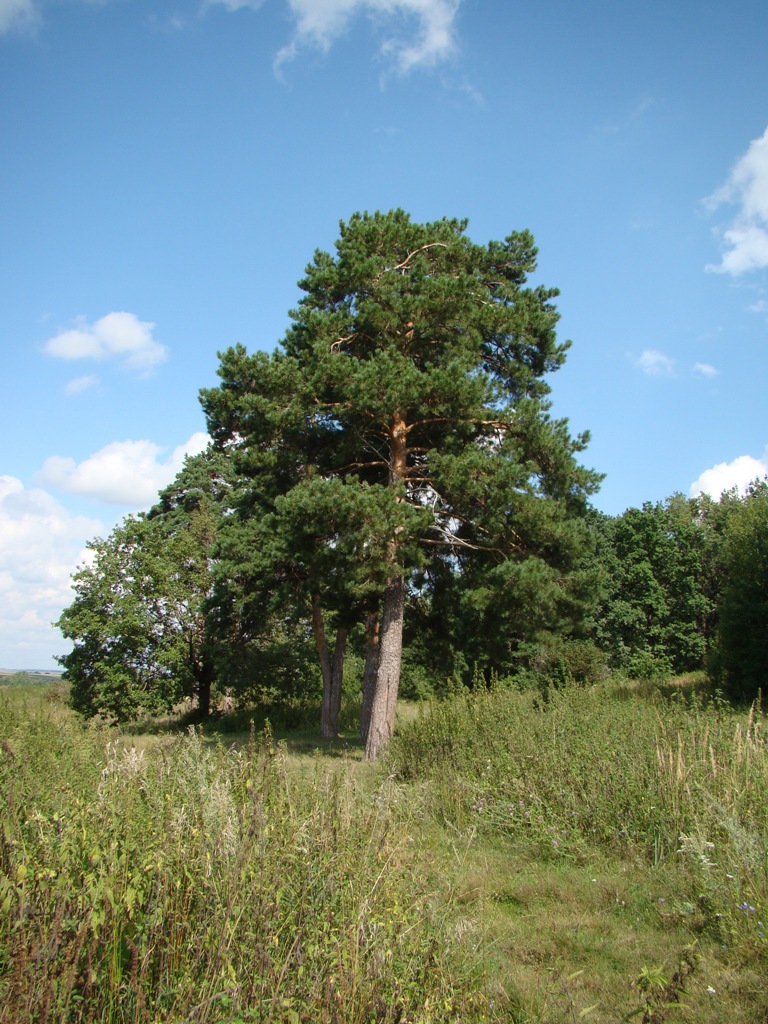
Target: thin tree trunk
(337, 676)
(204, 681)
(388, 674)
(370, 672)
(327, 726)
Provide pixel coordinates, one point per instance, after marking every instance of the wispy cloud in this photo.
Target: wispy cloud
(120, 336)
(745, 241)
(16, 14)
(656, 364)
(637, 112)
(414, 33)
(705, 370)
(80, 384)
(127, 473)
(725, 475)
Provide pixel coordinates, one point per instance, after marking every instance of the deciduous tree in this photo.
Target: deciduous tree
(137, 623)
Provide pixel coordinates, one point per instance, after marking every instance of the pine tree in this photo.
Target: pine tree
(417, 397)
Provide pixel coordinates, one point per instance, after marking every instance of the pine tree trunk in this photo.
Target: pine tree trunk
(327, 724)
(370, 672)
(393, 604)
(337, 676)
(388, 674)
(204, 681)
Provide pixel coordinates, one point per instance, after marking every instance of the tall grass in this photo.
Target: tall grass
(578, 771)
(190, 881)
(197, 883)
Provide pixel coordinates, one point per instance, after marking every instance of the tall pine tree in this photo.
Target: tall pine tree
(414, 386)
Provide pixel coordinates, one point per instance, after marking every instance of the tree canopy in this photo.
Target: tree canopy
(390, 482)
(403, 423)
(138, 620)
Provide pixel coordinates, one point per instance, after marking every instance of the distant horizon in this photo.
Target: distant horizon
(30, 671)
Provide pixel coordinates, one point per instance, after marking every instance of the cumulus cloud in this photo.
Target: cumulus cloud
(656, 364)
(417, 33)
(746, 239)
(126, 473)
(41, 543)
(16, 14)
(120, 336)
(726, 475)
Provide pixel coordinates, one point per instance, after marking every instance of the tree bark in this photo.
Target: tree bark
(333, 671)
(337, 676)
(370, 672)
(327, 730)
(204, 680)
(388, 674)
(382, 720)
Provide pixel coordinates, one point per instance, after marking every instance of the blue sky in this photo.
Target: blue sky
(168, 168)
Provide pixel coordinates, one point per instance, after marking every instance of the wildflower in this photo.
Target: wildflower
(711, 991)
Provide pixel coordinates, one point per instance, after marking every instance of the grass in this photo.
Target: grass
(618, 847)
(592, 855)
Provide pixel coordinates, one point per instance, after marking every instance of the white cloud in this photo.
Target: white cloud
(41, 543)
(120, 336)
(705, 370)
(80, 384)
(127, 473)
(746, 240)
(417, 33)
(237, 5)
(16, 14)
(656, 364)
(725, 475)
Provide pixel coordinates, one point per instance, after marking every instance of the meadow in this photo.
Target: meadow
(537, 855)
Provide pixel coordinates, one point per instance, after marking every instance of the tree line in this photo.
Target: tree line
(388, 489)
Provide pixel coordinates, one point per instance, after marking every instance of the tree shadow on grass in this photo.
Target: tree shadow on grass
(295, 732)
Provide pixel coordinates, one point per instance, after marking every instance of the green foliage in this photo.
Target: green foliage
(559, 661)
(115, 667)
(138, 619)
(403, 429)
(743, 605)
(659, 564)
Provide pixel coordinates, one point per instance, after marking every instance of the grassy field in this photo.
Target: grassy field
(592, 855)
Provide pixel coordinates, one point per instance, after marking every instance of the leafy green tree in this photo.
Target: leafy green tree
(656, 612)
(743, 605)
(137, 623)
(412, 380)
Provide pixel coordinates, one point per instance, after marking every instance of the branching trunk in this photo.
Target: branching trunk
(370, 672)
